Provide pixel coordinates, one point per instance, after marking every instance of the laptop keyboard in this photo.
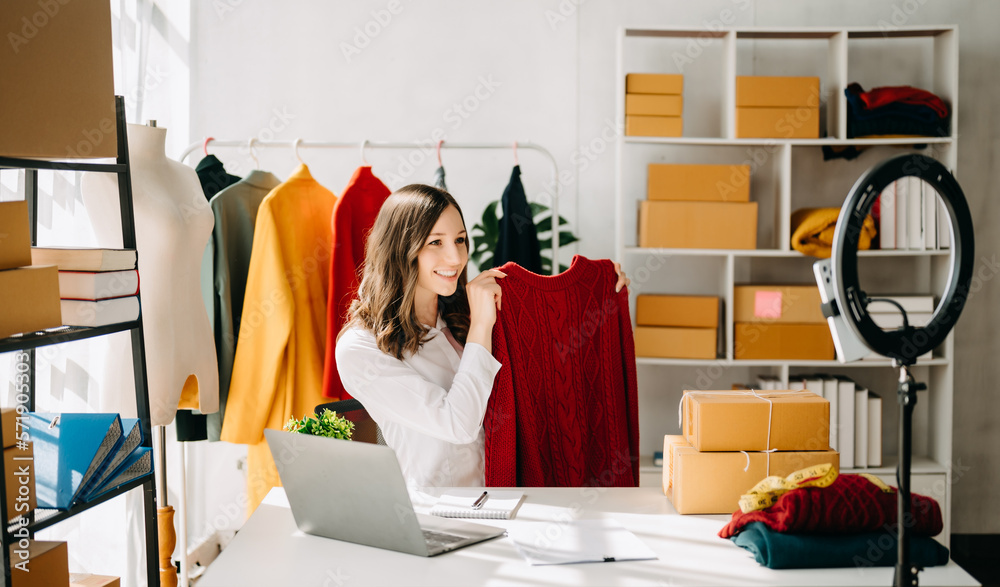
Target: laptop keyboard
(437, 540)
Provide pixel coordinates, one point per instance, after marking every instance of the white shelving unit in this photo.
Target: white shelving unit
(786, 174)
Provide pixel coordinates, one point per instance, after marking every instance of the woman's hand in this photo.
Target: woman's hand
(623, 281)
(484, 302)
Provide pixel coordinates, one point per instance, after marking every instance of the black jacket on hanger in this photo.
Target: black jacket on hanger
(213, 176)
(518, 239)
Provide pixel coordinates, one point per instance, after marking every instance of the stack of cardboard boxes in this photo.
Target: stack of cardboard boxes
(29, 295)
(777, 107)
(721, 453)
(780, 322)
(698, 207)
(678, 327)
(654, 104)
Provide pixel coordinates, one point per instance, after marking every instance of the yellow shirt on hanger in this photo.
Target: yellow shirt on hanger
(278, 368)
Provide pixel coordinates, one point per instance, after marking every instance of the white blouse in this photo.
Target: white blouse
(429, 406)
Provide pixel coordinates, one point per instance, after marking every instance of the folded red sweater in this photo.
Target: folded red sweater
(903, 95)
(851, 504)
(563, 412)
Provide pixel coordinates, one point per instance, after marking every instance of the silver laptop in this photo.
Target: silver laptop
(354, 491)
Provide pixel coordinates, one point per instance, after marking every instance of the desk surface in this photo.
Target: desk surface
(270, 551)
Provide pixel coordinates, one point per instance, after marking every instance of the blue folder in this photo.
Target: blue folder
(70, 450)
(131, 438)
(138, 463)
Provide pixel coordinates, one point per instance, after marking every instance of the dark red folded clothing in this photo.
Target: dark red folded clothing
(903, 95)
(851, 504)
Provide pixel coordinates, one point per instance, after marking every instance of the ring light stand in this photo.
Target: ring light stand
(852, 326)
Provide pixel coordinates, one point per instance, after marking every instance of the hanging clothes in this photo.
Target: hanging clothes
(353, 218)
(235, 209)
(439, 182)
(213, 176)
(278, 369)
(518, 240)
(563, 412)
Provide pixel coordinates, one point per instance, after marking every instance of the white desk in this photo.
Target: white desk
(270, 551)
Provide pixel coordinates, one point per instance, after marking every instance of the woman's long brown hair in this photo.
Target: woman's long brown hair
(385, 302)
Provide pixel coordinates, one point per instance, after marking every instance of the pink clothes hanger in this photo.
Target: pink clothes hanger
(440, 142)
(515, 153)
(204, 146)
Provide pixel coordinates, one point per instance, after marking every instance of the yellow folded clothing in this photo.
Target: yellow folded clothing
(812, 231)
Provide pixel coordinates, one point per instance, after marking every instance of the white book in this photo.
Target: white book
(577, 541)
(943, 227)
(915, 213)
(89, 285)
(894, 321)
(796, 383)
(99, 313)
(912, 304)
(861, 427)
(902, 214)
(831, 395)
(887, 217)
(768, 382)
(930, 215)
(845, 422)
(814, 384)
(874, 430)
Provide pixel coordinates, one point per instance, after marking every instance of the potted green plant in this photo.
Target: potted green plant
(487, 231)
(328, 424)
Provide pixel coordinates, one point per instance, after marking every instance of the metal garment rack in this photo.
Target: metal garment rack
(363, 145)
(25, 344)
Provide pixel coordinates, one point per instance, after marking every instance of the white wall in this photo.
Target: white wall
(260, 68)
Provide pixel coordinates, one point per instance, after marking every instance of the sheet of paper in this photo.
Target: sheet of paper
(578, 541)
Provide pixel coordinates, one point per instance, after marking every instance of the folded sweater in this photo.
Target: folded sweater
(813, 229)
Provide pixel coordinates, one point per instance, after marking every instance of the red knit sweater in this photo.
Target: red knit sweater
(352, 220)
(563, 410)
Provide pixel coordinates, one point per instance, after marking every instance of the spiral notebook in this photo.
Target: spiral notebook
(457, 503)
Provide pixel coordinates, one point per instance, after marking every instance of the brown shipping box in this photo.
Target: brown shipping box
(732, 420)
(712, 482)
(799, 304)
(88, 580)
(59, 98)
(15, 235)
(668, 342)
(698, 225)
(686, 311)
(797, 122)
(786, 342)
(30, 299)
(654, 126)
(9, 419)
(704, 183)
(19, 467)
(763, 90)
(654, 104)
(47, 564)
(654, 83)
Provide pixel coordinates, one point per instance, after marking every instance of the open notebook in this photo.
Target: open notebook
(457, 503)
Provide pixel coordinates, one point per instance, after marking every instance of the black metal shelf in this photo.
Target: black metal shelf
(15, 163)
(32, 340)
(45, 518)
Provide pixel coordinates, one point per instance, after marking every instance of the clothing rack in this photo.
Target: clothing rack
(363, 145)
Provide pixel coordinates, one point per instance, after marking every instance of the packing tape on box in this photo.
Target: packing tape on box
(752, 392)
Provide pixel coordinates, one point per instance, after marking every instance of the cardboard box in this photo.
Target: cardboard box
(785, 342)
(798, 304)
(712, 482)
(669, 342)
(654, 126)
(30, 299)
(703, 183)
(654, 104)
(9, 422)
(19, 467)
(798, 122)
(734, 420)
(15, 235)
(761, 90)
(59, 97)
(88, 580)
(698, 225)
(47, 564)
(654, 83)
(686, 311)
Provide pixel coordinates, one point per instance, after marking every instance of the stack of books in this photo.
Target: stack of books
(29, 295)
(910, 216)
(97, 287)
(855, 418)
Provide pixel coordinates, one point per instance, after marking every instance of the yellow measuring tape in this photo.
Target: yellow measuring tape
(764, 494)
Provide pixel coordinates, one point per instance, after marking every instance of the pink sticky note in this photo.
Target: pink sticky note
(767, 304)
